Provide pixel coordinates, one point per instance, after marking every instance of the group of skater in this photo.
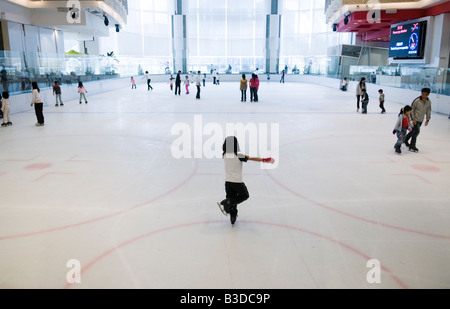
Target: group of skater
(407, 128)
(410, 120)
(37, 102)
(198, 81)
(254, 86)
(363, 97)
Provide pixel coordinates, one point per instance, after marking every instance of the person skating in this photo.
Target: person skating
(359, 87)
(198, 85)
(6, 109)
(38, 104)
(82, 91)
(235, 189)
(381, 100)
(243, 87)
(421, 107)
(403, 124)
(178, 83)
(364, 100)
(57, 92)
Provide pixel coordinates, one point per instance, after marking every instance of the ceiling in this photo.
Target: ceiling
(375, 26)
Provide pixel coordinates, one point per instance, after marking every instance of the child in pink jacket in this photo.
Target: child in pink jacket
(82, 91)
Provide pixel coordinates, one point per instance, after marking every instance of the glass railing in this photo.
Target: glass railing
(19, 69)
(407, 77)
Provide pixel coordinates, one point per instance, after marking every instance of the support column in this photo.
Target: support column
(179, 45)
(273, 34)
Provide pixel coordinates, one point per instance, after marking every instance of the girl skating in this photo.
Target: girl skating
(6, 109)
(82, 91)
(235, 189)
(186, 84)
(38, 104)
(404, 124)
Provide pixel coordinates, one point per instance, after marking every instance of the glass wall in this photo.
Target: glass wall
(407, 77)
(144, 44)
(305, 37)
(17, 71)
(227, 35)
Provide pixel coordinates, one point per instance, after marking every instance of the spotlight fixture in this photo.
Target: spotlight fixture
(106, 20)
(117, 27)
(346, 18)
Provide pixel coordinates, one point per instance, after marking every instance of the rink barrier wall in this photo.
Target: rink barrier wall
(21, 102)
(439, 103)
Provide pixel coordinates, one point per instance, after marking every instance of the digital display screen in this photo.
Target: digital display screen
(408, 40)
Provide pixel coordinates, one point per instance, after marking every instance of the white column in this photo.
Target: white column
(179, 38)
(273, 24)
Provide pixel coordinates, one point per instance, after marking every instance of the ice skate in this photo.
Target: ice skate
(398, 150)
(233, 218)
(233, 215)
(413, 148)
(221, 207)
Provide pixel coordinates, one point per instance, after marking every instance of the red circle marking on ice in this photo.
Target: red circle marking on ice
(37, 166)
(425, 168)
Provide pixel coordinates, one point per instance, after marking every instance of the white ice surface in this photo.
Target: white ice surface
(99, 184)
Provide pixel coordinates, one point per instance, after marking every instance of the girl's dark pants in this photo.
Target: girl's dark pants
(38, 107)
(243, 95)
(236, 193)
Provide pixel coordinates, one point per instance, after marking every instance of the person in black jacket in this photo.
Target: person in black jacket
(178, 83)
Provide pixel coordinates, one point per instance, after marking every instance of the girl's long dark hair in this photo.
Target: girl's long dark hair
(407, 108)
(35, 86)
(362, 81)
(230, 145)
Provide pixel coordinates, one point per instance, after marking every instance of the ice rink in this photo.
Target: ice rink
(98, 194)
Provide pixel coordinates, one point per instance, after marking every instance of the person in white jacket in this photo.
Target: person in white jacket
(235, 189)
(6, 109)
(38, 104)
(359, 87)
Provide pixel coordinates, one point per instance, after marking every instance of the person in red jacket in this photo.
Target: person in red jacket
(254, 86)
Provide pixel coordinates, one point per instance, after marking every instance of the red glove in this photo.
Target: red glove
(268, 160)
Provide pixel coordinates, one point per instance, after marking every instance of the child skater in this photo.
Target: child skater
(364, 101)
(171, 82)
(243, 87)
(82, 91)
(57, 92)
(186, 83)
(235, 189)
(403, 124)
(381, 100)
(133, 83)
(6, 109)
